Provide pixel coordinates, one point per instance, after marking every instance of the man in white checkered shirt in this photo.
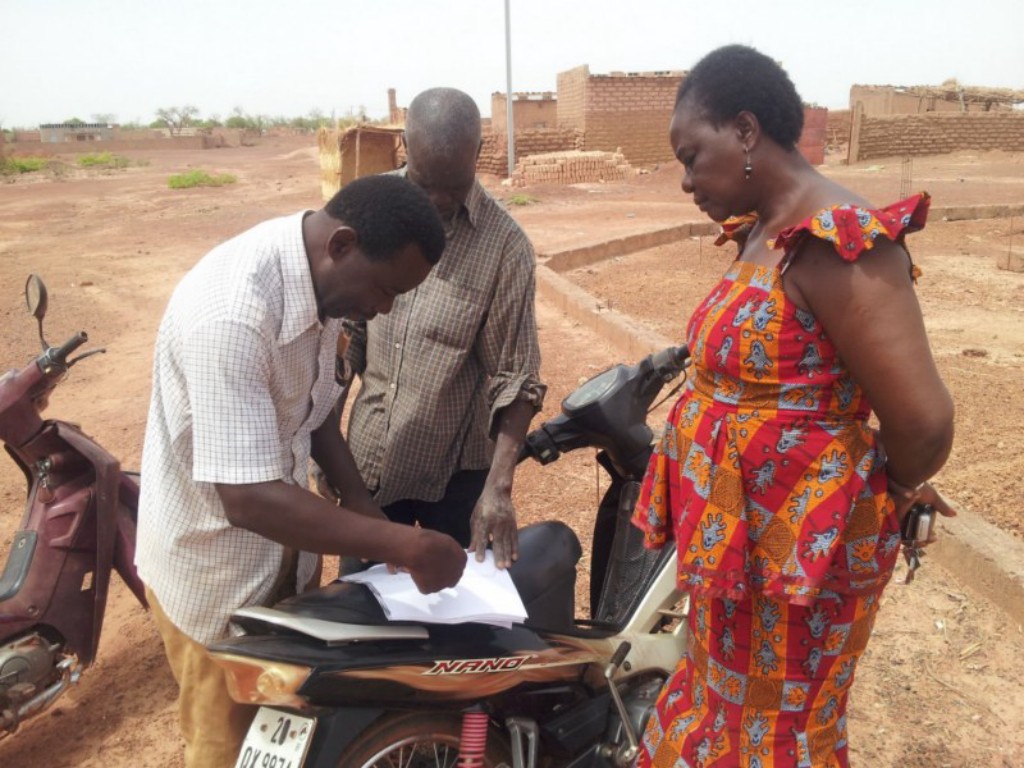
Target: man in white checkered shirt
(450, 380)
(243, 379)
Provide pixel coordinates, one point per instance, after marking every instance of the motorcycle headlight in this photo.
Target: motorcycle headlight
(590, 391)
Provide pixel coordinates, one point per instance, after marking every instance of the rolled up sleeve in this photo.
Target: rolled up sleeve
(509, 348)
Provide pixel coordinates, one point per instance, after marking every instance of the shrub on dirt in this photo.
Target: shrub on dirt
(521, 199)
(199, 178)
(12, 166)
(104, 160)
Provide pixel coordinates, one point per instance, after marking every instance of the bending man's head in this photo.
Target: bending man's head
(376, 238)
(442, 141)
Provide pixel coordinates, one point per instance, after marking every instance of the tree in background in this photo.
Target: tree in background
(241, 120)
(176, 118)
(104, 118)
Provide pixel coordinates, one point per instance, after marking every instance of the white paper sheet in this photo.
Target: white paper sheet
(485, 594)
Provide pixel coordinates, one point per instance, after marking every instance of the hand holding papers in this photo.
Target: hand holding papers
(485, 594)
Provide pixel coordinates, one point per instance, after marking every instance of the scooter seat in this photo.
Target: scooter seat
(545, 574)
(341, 602)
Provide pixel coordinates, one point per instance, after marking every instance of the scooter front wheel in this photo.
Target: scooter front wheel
(418, 740)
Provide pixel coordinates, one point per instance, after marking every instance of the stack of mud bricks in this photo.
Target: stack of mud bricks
(493, 156)
(573, 167)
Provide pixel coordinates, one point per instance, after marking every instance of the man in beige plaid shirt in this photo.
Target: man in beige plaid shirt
(449, 380)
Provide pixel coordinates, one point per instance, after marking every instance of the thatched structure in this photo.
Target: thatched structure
(360, 150)
(969, 97)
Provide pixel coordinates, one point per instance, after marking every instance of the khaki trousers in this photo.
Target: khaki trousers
(213, 724)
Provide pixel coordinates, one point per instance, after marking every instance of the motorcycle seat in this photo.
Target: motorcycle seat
(545, 574)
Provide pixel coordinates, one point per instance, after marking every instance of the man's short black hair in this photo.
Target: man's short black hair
(387, 213)
(736, 78)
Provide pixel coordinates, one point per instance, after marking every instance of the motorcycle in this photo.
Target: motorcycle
(339, 685)
(78, 525)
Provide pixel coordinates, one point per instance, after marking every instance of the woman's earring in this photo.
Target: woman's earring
(748, 169)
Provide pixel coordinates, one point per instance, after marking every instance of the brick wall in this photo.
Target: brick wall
(572, 98)
(815, 134)
(935, 134)
(117, 145)
(494, 154)
(529, 112)
(837, 127)
(631, 113)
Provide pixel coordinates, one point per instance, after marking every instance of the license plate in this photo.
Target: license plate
(276, 739)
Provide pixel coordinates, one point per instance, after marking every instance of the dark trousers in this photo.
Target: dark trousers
(451, 513)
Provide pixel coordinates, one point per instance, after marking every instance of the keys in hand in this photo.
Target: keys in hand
(912, 555)
(916, 531)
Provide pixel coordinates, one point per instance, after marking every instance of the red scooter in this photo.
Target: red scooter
(79, 523)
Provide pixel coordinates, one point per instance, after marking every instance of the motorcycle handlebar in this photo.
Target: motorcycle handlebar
(670, 360)
(58, 356)
(71, 345)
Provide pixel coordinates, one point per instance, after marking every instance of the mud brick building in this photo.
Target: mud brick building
(530, 111)
(620, 111)
(899, 121)
(877, 100)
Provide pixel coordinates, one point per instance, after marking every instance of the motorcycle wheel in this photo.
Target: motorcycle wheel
(419, 740)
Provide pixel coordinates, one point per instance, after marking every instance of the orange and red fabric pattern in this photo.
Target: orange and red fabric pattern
(769, 481)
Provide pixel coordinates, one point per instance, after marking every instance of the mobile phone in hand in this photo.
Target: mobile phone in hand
(917, 524)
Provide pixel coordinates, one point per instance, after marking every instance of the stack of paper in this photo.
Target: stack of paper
(485, 594)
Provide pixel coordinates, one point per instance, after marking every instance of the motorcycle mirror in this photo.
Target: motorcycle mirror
(35, 296)
(36, 300)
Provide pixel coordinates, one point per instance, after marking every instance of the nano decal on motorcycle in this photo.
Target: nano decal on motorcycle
(476, 666)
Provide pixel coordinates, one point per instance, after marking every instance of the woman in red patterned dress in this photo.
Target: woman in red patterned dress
(783, 505)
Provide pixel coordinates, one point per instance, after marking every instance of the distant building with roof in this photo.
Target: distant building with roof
(920, 99)
(58, 133)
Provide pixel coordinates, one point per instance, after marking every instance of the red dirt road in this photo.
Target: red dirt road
(939, 686)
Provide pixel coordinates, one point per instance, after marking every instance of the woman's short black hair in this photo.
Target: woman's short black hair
(388, 212)
(736, 78)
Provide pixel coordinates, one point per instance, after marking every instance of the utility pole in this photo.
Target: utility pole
(508, 92)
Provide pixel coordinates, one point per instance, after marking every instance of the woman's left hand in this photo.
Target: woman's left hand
(925, 493)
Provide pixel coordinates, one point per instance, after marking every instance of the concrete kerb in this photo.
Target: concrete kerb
(981, 555)
(969, 212)
(574, 258)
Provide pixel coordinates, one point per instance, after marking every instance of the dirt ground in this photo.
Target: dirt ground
(941, 683)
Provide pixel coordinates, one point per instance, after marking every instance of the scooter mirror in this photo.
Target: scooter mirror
(35, 296)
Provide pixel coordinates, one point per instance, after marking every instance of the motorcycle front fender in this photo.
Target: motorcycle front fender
(124, 537)
(336, 730)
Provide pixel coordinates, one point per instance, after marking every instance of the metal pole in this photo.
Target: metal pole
(508, 92)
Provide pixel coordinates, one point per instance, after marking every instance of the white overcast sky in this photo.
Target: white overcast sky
(78, 58)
